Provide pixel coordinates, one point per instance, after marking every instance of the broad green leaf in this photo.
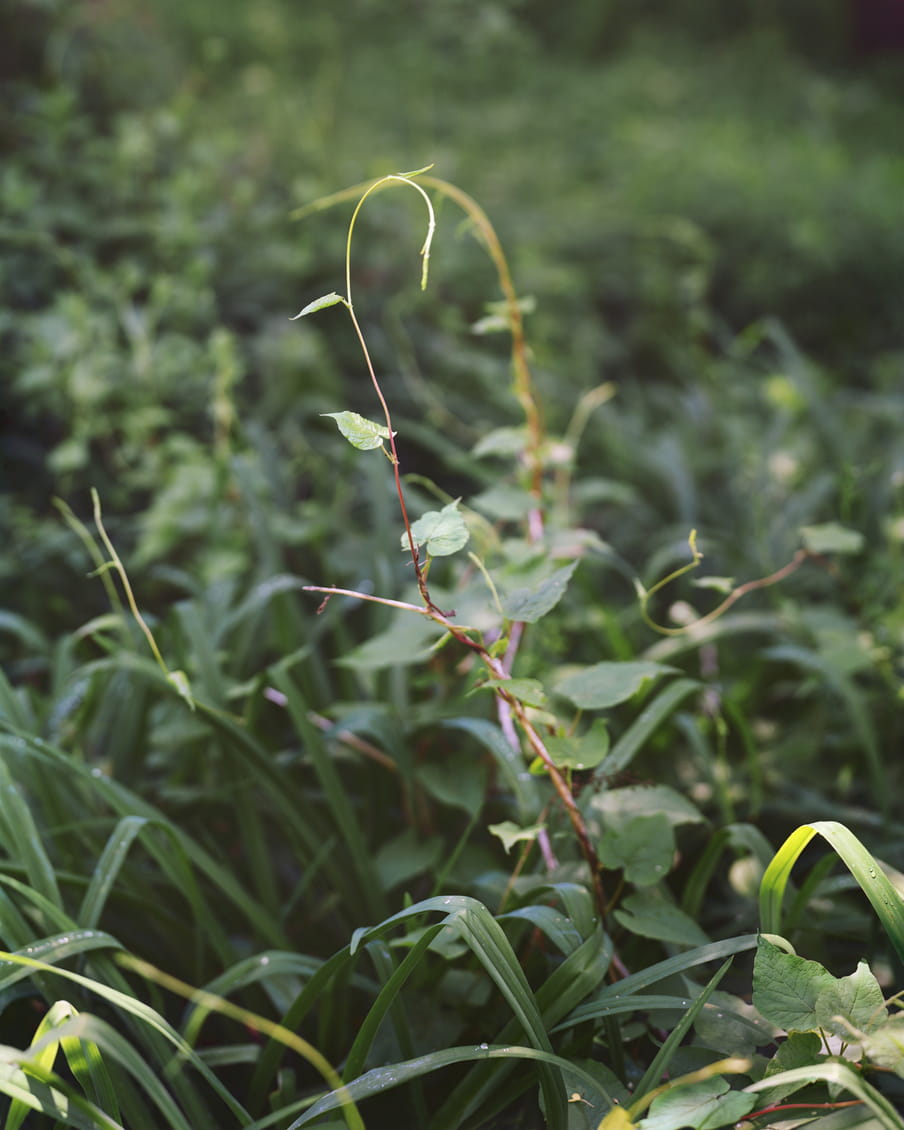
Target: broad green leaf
(504, 503)
(642, 847)
(800, 1049)
(625, 804)
(406, 856)
(408, 639)
(706, 1105)
(786, 987)
(831, 538)
(530, 604)
(462, 785)
(528, 691)
(731, 1026)
(584, 751)
(359, 431)
(510, 833)
(857, 999)
(652, 917)
(607, 684)
(501, 441)
(442, 532)
(331, 299)
(885, 1046)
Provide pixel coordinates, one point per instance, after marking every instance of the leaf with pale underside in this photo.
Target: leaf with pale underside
(331, 299)
(360, 432)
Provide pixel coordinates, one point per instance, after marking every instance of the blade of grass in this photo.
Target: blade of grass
(663, 1057)
(837, 1075)
(644, 726)
(382, 1079)
(885, 900)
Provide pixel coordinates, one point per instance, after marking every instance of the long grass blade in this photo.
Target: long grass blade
(837, 1075)
(382, 1079)
(885, 900)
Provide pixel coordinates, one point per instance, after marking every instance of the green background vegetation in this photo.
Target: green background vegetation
(701, 205)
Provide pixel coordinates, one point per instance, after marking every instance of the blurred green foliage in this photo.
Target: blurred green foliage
(702, 204)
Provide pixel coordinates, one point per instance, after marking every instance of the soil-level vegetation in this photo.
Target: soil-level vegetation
(469, 704)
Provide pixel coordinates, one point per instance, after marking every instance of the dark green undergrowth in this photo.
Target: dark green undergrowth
(546, 771)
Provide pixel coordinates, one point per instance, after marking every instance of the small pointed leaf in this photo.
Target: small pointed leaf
(359, 431)
(831, 538)
(530, 604)
(331, 299)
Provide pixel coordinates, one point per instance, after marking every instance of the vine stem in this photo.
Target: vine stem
(500, 669)
(419, 572)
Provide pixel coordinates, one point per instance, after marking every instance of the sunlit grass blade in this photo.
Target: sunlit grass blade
(124, 1003)
(39, 1090)
(837, 1075)
(885, 899)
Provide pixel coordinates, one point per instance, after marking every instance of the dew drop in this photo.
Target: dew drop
(265, 960)
(872, 873)
(483, 1047)
(96, 772)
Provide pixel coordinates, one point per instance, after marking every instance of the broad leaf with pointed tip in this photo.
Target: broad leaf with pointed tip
(607, 684)
(359, 431)
(441, 532)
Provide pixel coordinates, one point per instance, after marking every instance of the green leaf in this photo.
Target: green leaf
(510, 833)
(607, 684)
(651, 917)
(642, 847)
(406, 856)
(442, 532)
(786, 987)
(831, 538)
(459, 785)
(857, 999)
(530, 604)
(885, 1047)
(503, 503)
(409, 639)
(800, 1049)
(360, 432)
(331, 299)
(731, 1026)
(622, 805)
(875, 884)
(705, 1106)
(585, 751)
(528, 691)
